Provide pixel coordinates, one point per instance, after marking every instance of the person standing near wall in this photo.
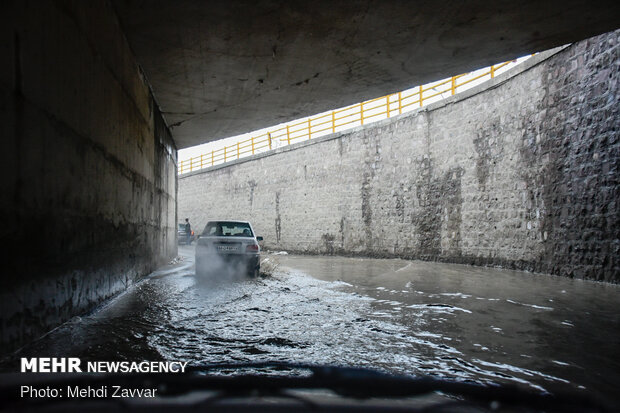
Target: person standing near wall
(188, 231)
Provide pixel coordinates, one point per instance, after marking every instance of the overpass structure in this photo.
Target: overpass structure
(96, 97)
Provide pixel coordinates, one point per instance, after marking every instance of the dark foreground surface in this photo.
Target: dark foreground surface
(449, 321)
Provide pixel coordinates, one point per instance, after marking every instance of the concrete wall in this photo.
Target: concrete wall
(522, 175)
(89, 166)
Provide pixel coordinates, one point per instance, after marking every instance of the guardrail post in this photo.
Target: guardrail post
(400, 103)
(309, 128)
(237, 150)
(252, 145)
(453, 88)
(421, 90)
(269, 138)
(362, 112)
(212, 158)
(288, 135)
(224, 154)
(201, 155)
(387, 103)
(492, 71)
(333, 121)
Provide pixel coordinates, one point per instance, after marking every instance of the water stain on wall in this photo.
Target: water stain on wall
(488, 150)
(371, 160)
(366, 208)
(328, 243)
(278, 219)
(399, 203)
(252, 184)
(434, 214)
(451, 205)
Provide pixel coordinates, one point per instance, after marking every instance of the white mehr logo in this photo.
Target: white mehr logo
(51, 365)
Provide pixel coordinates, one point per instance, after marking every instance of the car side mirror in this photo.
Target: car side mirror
(259, 238)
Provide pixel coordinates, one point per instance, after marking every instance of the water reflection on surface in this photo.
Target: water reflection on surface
(487, 324)
(412, 317)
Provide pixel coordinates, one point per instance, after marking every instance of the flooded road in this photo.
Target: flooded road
(412, 317)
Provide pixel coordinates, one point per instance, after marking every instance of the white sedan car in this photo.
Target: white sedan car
(228, 247)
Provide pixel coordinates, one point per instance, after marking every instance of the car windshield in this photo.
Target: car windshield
(227, 229)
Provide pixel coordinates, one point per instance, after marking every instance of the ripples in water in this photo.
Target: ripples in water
(454, 328)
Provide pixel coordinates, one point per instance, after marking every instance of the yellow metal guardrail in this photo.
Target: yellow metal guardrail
(340, 119)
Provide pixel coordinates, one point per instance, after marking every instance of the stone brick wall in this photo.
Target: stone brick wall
(522, 174)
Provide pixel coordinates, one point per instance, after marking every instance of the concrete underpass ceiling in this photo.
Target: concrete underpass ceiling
(220, 68)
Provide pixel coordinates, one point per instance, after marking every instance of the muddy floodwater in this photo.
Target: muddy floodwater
(455, 321)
